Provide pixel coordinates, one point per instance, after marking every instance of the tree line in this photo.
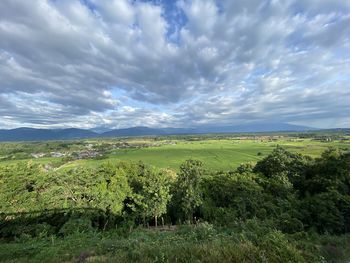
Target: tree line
(288, 191)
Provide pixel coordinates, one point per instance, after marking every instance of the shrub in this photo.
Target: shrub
(76, 225)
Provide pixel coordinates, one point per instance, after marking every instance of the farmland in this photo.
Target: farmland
(220, 154)
(216, 154)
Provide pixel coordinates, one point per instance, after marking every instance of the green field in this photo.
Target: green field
(216, 154)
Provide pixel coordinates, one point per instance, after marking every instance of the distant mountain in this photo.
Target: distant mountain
(134, 131)
(256, 127)
(101, 129)
(31, 134)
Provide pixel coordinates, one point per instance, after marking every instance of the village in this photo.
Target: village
(98, 150)
(74, 155)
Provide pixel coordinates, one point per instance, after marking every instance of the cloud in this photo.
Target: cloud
(123, 63)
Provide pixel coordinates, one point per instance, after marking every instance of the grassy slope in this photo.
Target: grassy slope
(184, 245)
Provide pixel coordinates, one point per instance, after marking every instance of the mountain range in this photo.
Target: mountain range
(32, 134)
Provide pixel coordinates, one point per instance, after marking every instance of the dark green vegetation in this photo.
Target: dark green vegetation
(287, 207)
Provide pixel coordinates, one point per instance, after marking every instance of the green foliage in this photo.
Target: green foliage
(20, 187)
(295, 192)
(280, 162)
(202, 243)
(325, 193)
(228, 197)
(111, 190)
(187, 195)
(150, 192)
(76, 225)
(279, 210)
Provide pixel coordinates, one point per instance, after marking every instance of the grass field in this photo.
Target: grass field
(221, 154)
(216, 154)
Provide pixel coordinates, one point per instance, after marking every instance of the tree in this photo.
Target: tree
(111, 189)
(150, 192)
(20, 187)
(187, 195)
(283, 163)
(227, 197)
(156, 194)
(326, 193)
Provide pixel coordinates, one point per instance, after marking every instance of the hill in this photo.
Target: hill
(31, 134)
(255, 127)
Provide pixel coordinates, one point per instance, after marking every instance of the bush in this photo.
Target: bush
(76, 225)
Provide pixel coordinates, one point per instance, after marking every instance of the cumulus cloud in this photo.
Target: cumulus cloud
(121, 63)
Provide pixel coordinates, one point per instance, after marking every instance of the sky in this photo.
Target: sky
(167, 63)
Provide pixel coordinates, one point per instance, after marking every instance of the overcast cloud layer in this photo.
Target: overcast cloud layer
(120, 63)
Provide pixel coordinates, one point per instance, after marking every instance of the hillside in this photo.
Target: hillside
(31, 134)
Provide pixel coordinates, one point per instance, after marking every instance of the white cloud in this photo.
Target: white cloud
(64, 63)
